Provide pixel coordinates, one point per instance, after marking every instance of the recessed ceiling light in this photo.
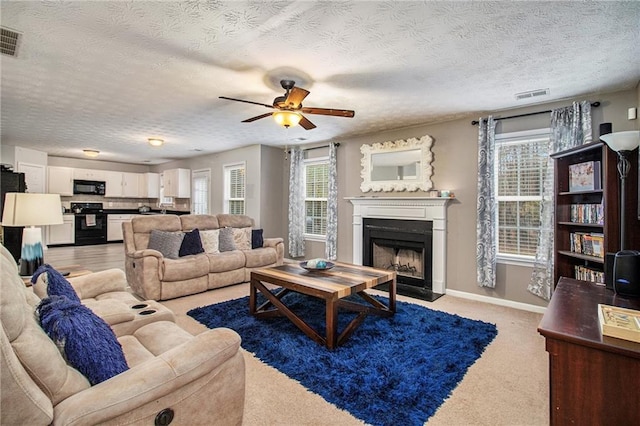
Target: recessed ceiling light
(155, 142)
(91, 152)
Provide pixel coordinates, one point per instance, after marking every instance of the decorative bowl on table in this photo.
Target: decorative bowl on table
(317, 265)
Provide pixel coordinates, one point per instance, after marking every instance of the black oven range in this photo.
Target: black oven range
(90, 223)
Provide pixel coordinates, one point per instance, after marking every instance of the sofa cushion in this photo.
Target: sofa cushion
(200, 221)
(167, 243)
(226, 261)
(86, 340)
(242, 238)
(234, 221)
(56, 284)
(184, 268)
(260, 257)
(191, 243)
(257, 239)
(210, 239)
(142, 226)
(226, 241)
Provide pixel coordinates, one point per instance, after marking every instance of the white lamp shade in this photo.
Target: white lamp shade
(622, 141)
(25, 209)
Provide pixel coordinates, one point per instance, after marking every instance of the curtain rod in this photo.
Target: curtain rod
(337, 144)
(476, 122)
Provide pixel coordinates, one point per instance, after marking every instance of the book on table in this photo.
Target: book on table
(619, 322)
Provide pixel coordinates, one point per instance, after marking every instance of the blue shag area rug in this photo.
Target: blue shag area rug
(391, 371)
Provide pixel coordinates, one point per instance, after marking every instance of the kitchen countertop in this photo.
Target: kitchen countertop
(135, 211)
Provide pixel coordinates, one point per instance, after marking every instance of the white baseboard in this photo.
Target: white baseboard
(496, 301)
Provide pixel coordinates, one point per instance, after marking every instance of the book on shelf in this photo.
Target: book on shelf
(585, 176)
(619, 322)
(590, 244)
(585, 273)
(587, 213)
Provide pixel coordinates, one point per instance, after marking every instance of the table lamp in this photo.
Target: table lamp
(31, 211)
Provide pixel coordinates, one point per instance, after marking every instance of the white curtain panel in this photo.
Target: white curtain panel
(331, 247)
(486, 220)
(570, 127)
(296, 203)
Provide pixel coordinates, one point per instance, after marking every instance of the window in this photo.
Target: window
(520, 164)
(234, 185)
(200, 180)
(316, 174)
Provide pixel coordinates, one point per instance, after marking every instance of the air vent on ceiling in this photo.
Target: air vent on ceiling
(10, 40)
(531, 94)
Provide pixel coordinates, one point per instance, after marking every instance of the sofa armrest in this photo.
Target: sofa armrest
(139, 254)
(272, 242)
(89, 285)
(150, 381)
(97, 283)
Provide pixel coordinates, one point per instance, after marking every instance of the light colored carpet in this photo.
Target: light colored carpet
(508, 385)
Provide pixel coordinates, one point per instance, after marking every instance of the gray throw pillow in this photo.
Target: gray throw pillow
(167, 243)
(226, 241)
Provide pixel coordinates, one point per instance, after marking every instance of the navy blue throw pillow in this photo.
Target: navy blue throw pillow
(191, 243)
(57, 285)
(257, 240)
(87, 342)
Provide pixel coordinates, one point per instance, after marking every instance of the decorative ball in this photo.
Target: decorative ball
(312, 263)
(321, 264)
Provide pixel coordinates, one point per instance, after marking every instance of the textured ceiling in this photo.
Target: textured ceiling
(108, 75)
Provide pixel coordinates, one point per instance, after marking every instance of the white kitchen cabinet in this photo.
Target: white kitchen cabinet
(113, 184)
(149, 185)
(60, 180)
(62, 234)
(177, 183)
(130, 185)
(89, 174)
(114, 225)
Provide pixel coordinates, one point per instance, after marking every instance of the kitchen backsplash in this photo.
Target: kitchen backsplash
(124, 203)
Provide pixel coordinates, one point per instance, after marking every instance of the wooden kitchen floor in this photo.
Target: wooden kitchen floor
(94, 258)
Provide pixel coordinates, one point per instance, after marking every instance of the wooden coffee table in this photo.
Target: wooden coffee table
(332, 285)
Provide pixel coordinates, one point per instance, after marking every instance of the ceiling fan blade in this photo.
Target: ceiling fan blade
(329, 111)
(296, 95)
(257, 117)
(306, 124)
(246, 102)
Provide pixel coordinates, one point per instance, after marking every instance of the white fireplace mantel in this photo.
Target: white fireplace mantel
(406, 208)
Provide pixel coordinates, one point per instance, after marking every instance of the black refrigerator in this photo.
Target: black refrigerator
(12, 235)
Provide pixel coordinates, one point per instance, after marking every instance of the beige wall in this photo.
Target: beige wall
(455, 168)
(264, 196)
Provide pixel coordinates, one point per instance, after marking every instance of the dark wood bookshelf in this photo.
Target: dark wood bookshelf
(609, 196)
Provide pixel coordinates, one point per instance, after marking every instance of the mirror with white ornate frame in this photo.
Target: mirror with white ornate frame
(402, 165)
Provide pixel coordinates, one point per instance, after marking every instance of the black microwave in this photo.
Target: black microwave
(90, 187)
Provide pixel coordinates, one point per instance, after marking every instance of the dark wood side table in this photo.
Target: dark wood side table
(592, 379)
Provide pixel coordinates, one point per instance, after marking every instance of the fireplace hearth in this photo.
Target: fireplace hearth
(404, 246)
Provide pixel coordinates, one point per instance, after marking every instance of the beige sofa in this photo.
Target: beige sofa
(153, 276)
(197, 380)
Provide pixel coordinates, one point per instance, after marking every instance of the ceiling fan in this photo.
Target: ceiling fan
(289, 108)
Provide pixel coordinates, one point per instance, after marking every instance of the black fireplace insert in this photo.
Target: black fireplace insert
(404, 246)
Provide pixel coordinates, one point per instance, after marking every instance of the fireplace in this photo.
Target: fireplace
(432, 212)
(404, 246)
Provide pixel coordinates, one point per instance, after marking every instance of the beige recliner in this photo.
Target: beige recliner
(195, 380)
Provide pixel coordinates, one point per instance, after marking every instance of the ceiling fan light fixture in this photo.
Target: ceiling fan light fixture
(287, 118)
(91, 153)
(155, 142)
